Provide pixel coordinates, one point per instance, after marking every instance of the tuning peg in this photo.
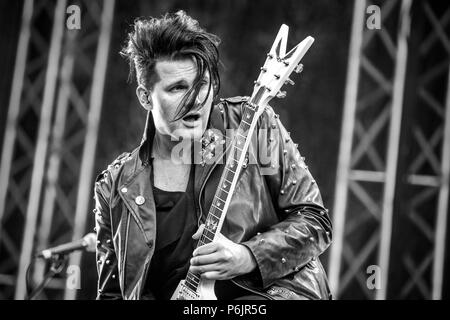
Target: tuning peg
(299, 68)
(289, 81)
(281, 94)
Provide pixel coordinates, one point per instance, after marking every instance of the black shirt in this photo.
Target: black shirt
(176, 222)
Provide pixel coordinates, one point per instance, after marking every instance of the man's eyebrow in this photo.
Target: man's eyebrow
(178, 82)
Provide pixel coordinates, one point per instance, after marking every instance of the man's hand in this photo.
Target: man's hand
(222, 259)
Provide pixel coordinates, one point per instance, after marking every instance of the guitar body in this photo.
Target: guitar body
(212, 290)
(205, 291)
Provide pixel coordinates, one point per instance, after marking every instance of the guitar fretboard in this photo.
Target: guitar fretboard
(223, 193)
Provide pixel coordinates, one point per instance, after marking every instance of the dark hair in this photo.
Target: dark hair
(173, 36)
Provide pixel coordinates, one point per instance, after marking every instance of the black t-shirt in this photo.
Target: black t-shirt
(176, 222)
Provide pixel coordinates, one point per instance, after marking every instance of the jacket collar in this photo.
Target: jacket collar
(215, 121)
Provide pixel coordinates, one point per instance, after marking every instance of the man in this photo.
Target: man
(151, 207)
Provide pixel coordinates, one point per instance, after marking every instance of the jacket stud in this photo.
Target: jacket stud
(108, 241)
(95, 229)
(283, 260)
(139, 200)
(107, 261)
(99, 261)
(285, 151)
(124, 190)
(311, 239)
(282, 191)
(313, 181)
(294, 182)
(293, 166)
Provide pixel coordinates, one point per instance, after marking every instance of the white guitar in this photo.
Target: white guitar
(274, 74)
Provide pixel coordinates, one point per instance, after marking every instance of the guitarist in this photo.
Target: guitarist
(151, 203)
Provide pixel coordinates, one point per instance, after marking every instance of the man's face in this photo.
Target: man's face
(174, 79)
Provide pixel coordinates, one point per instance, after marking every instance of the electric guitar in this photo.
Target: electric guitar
(274, 74)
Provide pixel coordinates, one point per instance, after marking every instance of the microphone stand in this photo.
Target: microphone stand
(58, 263)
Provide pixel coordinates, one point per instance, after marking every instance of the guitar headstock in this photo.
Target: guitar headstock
(277, 68)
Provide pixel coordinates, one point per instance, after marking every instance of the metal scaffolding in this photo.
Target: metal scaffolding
(369, 191)
(51, 136)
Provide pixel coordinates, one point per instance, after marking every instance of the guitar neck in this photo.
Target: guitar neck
(235, 159)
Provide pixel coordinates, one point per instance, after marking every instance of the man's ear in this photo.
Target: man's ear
(144, 97)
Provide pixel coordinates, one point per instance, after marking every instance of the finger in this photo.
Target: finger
(205, 249)
(214, 275)
(207, 259)
(199, 232)
(206, 268)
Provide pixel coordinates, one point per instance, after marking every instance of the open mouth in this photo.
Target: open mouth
(191, 119)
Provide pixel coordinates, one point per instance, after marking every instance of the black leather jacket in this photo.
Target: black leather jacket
(278, 216)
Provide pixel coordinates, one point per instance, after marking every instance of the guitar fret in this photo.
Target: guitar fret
(207, 238)
(219, 201)
(223, 190)
(241, 135)
(193, 278)
(209, 231)
(245, 126)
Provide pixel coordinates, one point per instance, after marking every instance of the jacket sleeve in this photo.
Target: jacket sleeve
(108, 280)
(304, 228)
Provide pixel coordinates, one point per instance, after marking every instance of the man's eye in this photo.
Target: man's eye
(177, 88)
